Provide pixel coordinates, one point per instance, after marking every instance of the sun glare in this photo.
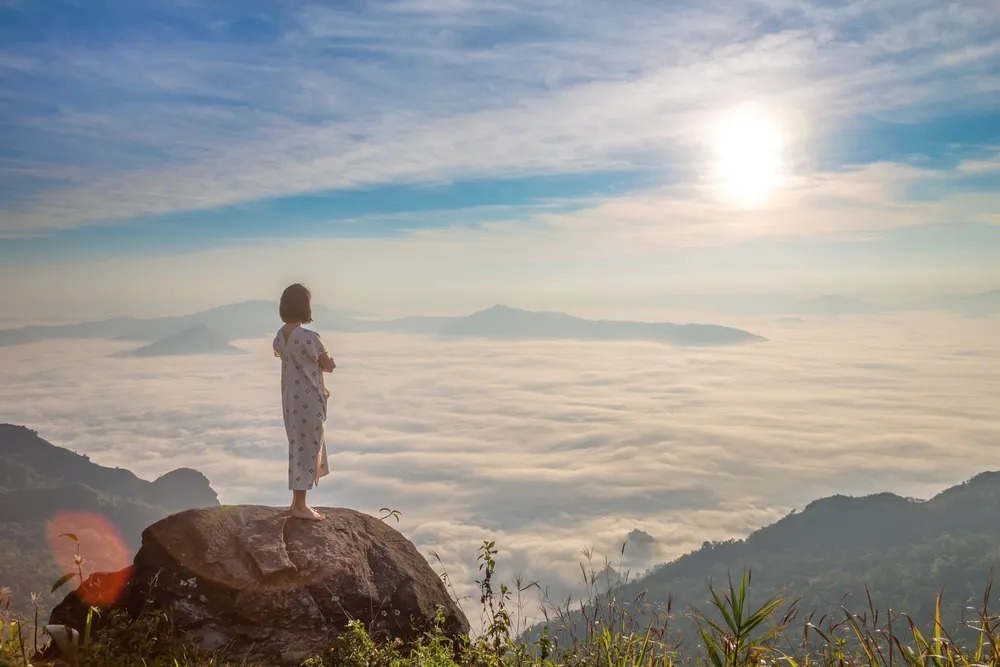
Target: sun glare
(748, 144)
(88, 542)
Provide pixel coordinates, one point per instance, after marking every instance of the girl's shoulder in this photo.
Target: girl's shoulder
(308, 336)
(295, 336)
(301, 336)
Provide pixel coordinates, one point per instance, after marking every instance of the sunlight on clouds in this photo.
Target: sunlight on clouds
(428, 103)
(627, 248)
(748, 144)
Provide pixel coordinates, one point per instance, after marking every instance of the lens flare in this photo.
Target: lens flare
(89, 542)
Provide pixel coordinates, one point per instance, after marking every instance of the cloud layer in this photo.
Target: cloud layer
(552, 447)
(424, 92)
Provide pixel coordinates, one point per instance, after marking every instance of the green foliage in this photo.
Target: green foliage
(39, 480)
(734, 633)
(735, 638)
(496, 618)
(610, 629)
(883, 548)
(78, 560)
(146, 641)
(356, 648)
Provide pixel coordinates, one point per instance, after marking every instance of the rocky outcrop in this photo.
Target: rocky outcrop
(275, 588)
(182, 489)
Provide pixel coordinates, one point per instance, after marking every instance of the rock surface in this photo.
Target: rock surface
(276, 589)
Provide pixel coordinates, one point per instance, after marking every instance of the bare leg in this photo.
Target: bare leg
(300, 510)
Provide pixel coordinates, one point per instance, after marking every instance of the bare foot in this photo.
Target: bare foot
(307, 513)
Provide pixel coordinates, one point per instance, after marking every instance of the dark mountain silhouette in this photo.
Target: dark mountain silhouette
(904, 551)
(39, 481)
(199, 339)
(511, 323)
(44, 465)
(210, 331)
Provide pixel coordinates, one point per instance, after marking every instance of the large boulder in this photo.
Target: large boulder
(275, 588)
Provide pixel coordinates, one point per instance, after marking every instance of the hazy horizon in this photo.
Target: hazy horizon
(676, 307)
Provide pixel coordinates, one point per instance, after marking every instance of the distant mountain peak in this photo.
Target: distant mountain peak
(842, 502)
(57, 466)
(988, 478)
(507, 323)
(183, 488)
(197, 339)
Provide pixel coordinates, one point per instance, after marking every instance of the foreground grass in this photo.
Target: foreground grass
(731, 632)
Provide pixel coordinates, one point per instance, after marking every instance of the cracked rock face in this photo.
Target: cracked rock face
(273, 588)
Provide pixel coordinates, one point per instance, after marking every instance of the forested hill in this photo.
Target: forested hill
(40, 482)
(903, 551)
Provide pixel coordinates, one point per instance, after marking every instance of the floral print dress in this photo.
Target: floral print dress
(304, 400)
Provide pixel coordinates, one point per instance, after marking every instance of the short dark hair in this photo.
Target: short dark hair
(294, 306)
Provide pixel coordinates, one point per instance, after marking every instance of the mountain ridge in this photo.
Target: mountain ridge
(903, 551)
(198, 339)
(257, 317)
(212, 330)
(44, 486)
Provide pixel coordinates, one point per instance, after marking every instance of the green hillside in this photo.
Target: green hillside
(832, 555)
(39, 481)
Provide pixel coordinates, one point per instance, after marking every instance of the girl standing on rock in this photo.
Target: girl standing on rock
(304, 397)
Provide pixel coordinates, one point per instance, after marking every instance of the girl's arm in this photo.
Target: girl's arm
(326, 362)
(322, 357)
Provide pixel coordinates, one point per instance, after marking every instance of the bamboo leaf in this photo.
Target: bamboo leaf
(860, 634)
(736, 607)
(712, 648)
(937, 644)
(61, 581)
(922, 644)
(720, 604)
(715, 626)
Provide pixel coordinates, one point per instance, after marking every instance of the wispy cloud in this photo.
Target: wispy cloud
(279, 104)
(858, 230)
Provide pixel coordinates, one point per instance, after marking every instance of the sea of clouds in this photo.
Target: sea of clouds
(551, 447)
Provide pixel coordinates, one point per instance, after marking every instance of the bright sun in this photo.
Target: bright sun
(748, 145)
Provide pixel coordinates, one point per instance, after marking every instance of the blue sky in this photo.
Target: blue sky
(502, 146)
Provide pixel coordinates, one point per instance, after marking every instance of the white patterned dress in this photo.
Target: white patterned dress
(304, 400)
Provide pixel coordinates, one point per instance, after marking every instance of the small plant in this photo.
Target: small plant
(898, 640)
(390, 514)
(496, 619)
(77, 560)
(12, 646)
(608, 628)
(735, 639)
